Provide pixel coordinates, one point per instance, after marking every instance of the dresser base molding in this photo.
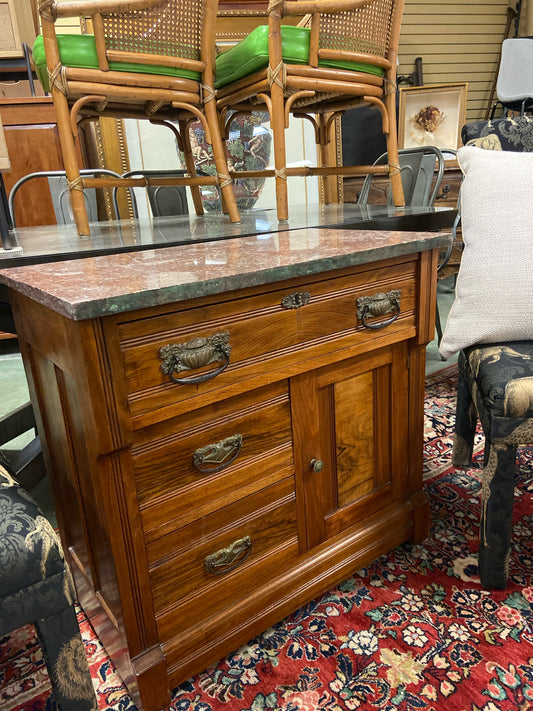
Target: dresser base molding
(292, 590)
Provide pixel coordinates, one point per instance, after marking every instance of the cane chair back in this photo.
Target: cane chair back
(169, 29)
(151, 59)
(365, 30)
(342, 55)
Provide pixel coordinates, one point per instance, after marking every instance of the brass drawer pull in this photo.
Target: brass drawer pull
(196, 353)
(379, 305)
(229, 558)
(221, 454)
(296, 300)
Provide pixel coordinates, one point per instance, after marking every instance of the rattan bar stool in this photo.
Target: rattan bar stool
(343, 55)
(147, 59)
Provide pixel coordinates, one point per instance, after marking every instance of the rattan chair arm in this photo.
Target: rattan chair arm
(340, 54)
(74, 8)
(304, 7)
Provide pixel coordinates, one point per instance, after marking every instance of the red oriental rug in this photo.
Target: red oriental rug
(412, 631)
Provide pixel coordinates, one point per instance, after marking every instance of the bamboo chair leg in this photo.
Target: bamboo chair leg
(327, 157)
(70, 160)
(226, 190)
(223, 204)
(190, 165)
(392, 151)
(277, 124)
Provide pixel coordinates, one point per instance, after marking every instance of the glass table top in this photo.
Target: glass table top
(59, 242)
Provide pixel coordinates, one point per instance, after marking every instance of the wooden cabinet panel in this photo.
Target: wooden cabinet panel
(211, 458)
(355, 442)
(16, 26)
(33, 146)
(223, 558)
(346, 418)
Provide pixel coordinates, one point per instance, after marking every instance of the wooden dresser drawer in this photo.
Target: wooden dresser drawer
(189, 466)
(242, 335)
(217, 561)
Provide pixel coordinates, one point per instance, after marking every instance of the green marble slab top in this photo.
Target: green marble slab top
(116, 283)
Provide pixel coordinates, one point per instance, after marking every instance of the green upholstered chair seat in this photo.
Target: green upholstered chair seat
(251, 54)
(80, 51)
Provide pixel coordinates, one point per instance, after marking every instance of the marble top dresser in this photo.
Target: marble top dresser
(230, 428)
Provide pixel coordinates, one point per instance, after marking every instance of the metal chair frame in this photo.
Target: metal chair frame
(417, 175)
(56, 174)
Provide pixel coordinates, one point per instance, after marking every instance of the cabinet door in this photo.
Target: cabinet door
(350, 430)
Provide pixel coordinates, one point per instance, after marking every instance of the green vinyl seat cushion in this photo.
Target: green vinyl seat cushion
(251, 54)
(80, 51)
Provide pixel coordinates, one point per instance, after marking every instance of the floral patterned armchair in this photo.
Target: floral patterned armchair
(496, 384)
(496, 378)
(37, 588)
(505, 134)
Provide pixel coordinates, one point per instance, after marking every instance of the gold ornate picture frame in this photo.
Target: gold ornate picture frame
(432, 115)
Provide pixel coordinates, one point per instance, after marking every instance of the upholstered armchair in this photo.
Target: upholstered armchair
(37, 588)
(490, 326)
(342, 55)
(505, 134)
(146, 59)
(496, 385)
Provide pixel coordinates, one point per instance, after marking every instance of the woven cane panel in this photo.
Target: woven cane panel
(171, 28)
(320, 96)
(365, 30)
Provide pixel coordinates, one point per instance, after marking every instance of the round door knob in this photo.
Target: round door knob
(317, 465)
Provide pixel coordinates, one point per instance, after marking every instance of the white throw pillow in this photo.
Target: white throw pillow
(494, 291)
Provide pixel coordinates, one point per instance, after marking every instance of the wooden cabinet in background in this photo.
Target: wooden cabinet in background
(33, 146)
(17, 25)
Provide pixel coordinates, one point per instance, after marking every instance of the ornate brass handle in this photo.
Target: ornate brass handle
(217, 454)
(379, 305)
(196, 353)
(229, 558)
(296, 300)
